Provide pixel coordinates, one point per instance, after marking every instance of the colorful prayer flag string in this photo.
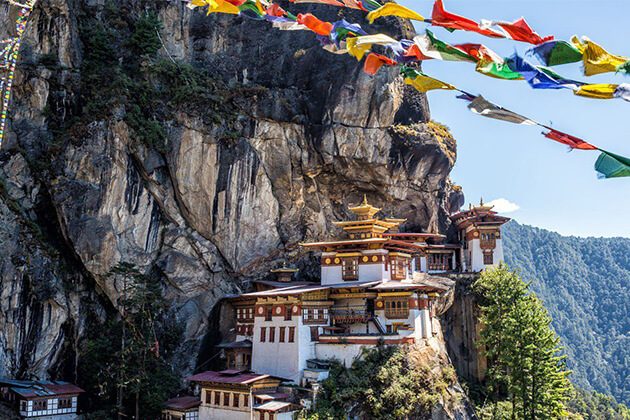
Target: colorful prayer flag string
(9, 59)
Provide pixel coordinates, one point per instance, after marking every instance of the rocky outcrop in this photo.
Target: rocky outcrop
(307, 134)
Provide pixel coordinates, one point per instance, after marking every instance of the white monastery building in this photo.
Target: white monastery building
(43, 400)
(377, 286)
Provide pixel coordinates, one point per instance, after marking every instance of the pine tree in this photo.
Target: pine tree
(525, 365)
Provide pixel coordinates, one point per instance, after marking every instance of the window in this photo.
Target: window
(418, 260)
(288, 313)
(226, 399)
(263, 333)
(315, 315)
(23, 405)
(440, 262)
(272, 334)
(235, 398)
(281, 338)
(399, 268)
(349, 269)
(245, 400)
(488, 258)
(217, 398)
(39, 405)
(291, 334)
(314, 333)
(268, 313)
(396, 308)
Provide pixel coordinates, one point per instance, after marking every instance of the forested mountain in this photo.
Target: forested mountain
(584, 284)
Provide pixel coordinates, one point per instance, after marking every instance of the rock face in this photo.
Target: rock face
(223, 203)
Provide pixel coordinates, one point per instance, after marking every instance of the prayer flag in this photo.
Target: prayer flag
(539, 78)
(500, 70)
(329, 2)
(405, 51)
(318, 26)
(441, 17)
(571, 141)
(597, 91)
(610, 165)
(359, 45)
(595, 58)
(422, 82)
(374, 62)
(432, 47)
(623, 92)
(481, 106)
(519, 30)
(394, 9)
(342, 29)
(479, 52)
(555, 53)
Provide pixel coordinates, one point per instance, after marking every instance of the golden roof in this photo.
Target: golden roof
(365, 210)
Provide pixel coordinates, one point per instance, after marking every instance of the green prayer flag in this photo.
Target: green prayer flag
(554, 53)
(447, 51)
(498, 70)
(610, 165)
(624, 68)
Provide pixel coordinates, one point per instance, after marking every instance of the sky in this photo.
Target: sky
(535, 180)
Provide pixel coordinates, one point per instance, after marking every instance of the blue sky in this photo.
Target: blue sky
(553, 188)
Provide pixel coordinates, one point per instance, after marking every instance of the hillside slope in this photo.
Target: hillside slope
(584, 284)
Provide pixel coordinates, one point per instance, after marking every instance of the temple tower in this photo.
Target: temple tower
(480, 235)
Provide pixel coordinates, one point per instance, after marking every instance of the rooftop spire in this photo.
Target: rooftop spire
(365, 210)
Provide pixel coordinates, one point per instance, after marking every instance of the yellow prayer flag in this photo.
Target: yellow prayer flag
(359, 45)
(596, 59)
(425, 83)
(219, 6)
(393, 9)
(597, 91)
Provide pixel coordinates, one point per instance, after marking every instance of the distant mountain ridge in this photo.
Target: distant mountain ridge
(584, 284)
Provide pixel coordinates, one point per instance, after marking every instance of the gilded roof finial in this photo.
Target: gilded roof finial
(481, 202)
(365, 202)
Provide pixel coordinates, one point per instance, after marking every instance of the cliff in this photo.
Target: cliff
(204, 173)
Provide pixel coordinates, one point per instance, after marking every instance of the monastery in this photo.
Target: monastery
(378, 286)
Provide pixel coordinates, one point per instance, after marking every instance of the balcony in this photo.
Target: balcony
(398, 313)
(350, 315)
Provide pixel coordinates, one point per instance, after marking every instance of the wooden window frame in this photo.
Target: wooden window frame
(236, 400)
(272, 334)
(350, 269)
(397, 308)
(63, 403)
(263, 334)
(488, 258)
(226, 399)
(281, 334)
(291, 335)
(288, 313)
(40, 405)
(268, 313)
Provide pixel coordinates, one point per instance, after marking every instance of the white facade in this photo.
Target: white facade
(239, 410)
(284, 359)
(474, 255)
(57, 408)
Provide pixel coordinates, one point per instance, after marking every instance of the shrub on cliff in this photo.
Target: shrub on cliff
(386, 383)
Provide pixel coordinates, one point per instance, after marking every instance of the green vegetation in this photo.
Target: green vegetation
(584, 285)
(595, 406)
(125, 364)
(526, 376)
(387, 383)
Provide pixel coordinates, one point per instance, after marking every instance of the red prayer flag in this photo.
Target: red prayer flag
(480, 52)
(275, 10)
(318, 26)
(519, 30)
(374, 62)
(414, 51)
(569, 140)
(441, 17)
